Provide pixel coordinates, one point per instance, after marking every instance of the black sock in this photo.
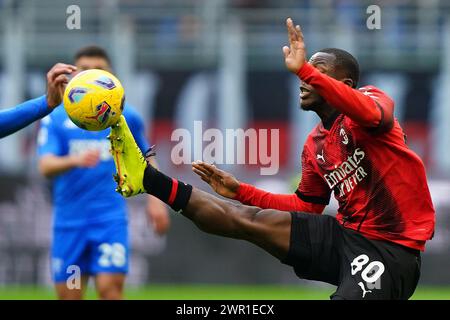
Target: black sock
(171, 191)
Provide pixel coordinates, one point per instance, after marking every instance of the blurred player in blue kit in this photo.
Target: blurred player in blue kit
(90, 228)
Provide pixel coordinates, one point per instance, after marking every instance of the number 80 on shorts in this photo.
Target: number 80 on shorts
(370, 273)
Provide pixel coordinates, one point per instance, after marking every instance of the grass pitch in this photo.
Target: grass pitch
(212, 292)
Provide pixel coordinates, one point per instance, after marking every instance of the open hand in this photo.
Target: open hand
(295, 54)
(220, 181)
(56, 83)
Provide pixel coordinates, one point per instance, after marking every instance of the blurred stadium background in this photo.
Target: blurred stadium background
(218, 61)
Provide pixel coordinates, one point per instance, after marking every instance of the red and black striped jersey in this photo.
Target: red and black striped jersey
(379, 183)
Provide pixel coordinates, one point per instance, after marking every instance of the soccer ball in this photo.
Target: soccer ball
(94, 99)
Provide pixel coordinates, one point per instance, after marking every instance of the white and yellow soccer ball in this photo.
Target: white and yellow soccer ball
(94, 99)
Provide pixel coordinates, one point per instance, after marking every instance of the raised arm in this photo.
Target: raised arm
(368, 106)
(20, 116)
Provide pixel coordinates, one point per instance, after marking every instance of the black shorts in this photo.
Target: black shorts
(321, 249)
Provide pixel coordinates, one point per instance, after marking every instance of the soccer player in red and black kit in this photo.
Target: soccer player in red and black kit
(371, 250)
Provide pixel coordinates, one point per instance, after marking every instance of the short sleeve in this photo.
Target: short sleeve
(312, 187)
(137, 128)
(48, 139)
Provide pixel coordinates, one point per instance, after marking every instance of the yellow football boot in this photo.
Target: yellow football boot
(128, 158)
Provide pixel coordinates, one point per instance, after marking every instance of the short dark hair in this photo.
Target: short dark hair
(92, 51)
(345, 62)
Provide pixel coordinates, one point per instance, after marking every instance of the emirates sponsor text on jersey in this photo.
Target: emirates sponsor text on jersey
(348, 174)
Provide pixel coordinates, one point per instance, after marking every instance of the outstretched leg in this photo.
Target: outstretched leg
(268, 229)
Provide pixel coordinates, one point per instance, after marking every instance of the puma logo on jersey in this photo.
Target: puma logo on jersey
(320, 156)
(344, 136)
(361, 285)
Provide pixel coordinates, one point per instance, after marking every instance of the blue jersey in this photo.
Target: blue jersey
(84, 196)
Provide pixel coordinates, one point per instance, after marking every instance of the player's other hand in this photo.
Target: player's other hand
(158, 215)
(220, 181)
(295, 54)
(56, 83)
(87, 159)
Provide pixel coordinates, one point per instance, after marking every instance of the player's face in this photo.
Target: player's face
(310, 99)
(88, 63)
